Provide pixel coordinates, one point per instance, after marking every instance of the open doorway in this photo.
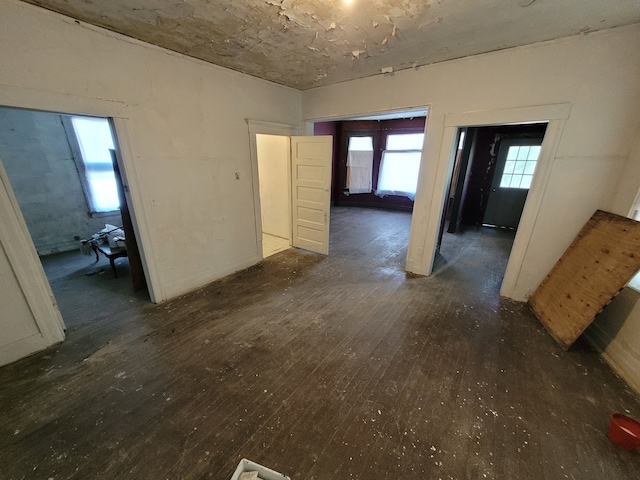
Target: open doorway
(274, 173)
(392, 144)
(376, 161)
(307, 182)
(65, 177)
(493, 171)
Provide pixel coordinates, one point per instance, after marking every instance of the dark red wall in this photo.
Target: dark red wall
(326, 128)
(379, 130)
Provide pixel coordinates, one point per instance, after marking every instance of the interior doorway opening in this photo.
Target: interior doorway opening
(274, 173)
(64, 173)
(297, 201)
(493, 170)
(310, 216)
(376, 160)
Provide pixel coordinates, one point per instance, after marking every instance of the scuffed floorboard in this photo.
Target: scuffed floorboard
(321, 368)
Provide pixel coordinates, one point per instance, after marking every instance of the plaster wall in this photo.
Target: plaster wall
(627, 197)
(616, 330)
(615, 333)
(38, 160)
(596, 74)
(182, 130)
(275, 201)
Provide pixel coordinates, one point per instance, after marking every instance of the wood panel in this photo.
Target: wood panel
(600, 261)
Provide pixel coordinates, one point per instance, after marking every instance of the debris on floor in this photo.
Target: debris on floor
(93, 271)
(248, 470)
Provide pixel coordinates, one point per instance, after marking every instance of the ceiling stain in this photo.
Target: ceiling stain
(310, 43)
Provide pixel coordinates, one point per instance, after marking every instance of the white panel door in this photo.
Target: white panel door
(311, 192)
(29, 317)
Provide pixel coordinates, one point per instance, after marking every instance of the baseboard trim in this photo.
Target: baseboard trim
(23, 348)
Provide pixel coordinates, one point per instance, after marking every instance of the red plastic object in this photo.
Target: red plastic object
(624, 431)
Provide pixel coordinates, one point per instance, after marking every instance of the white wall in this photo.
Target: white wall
(596, 74)
(275, 186)
(182, 129)
(627, 197)
(616, 330)
(616, 333)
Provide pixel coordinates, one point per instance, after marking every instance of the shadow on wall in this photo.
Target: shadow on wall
(614, 316)
(615, 332)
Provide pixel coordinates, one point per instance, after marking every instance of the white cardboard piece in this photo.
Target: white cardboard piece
(264, 473)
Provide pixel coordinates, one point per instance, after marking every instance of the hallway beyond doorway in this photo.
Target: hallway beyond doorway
(272, 244)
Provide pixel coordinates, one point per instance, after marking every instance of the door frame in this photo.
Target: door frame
(119, 114)
(264, 128)
(555, 115)
(425, 110)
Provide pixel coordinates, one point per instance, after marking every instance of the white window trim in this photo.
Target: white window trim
(400, 193)
(360, 170)
(76, 153)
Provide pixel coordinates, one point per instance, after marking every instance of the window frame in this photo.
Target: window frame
(519, 161)
(78, 159)
(376, 142)
(397, 132)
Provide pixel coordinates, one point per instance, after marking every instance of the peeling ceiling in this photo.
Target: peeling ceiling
(311, 43)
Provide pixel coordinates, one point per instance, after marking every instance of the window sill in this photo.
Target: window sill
(104, 214)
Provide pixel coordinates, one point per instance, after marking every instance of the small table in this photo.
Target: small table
(110, 253)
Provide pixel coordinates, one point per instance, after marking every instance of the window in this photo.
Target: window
(400, 165)
(359, 164)
(520, 166)
(95, 142)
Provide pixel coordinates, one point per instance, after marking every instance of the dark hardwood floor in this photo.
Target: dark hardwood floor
(337, 367)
